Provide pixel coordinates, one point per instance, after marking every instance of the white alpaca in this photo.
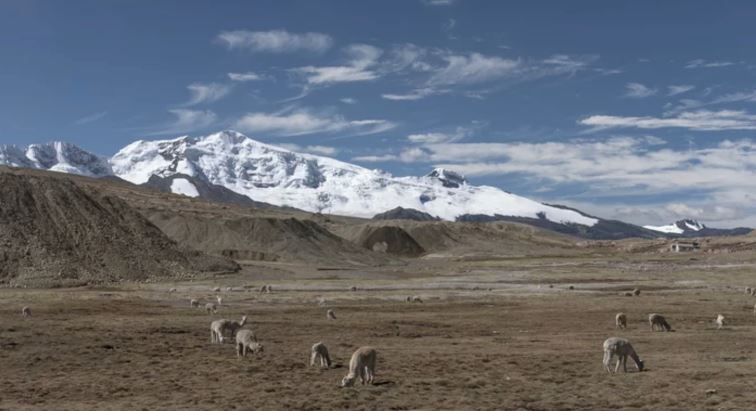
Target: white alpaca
(26, 312)
(319, 352)
(194, 303)
(322, 301)
(211, 308)
(620, 320)
(220, 300)
(246, 340)
(622, 349)
(658, 321)
(330, 315)
(172, 290)
(220, 328)
(720, 321)
(361, 365)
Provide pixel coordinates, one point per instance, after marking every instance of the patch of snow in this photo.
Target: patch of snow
(669, 229)
(184, 187)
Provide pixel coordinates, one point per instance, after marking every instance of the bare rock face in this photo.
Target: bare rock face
(54, 232)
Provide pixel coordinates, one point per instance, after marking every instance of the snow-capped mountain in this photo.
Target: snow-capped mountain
(678, 227)
(55, 156)
(320, 184)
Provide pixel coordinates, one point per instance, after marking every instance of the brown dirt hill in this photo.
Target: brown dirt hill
(269, 238)
(391, 240)
(54, 232)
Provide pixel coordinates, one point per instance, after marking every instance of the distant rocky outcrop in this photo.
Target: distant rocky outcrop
(400, 213)
(202, 189)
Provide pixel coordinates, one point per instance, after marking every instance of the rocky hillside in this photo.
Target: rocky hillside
(54, 232)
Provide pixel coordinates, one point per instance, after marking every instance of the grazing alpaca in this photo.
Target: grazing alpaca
(330, 315)
(211, 308)
(720, 321)
(263, 289)
(172, 290)
(416, 299)
(361, 365)
(246, 340)
(658, 321)
(219, 328)
(194, 303)
(620, 320)
(636, 292)
(319, 352)
(216, 289)
(26, 312)
(622, 349)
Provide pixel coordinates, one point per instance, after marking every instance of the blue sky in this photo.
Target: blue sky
(642, 111)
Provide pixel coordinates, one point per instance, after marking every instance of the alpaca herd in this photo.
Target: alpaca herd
(363, 361)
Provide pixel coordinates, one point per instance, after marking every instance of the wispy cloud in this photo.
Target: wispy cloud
(90, 118)
(298, 122)
(702, 120)
(315, 149)
(187, 121)
(413, 95)
(438, 2)
(242, 77)
(348, 100)
(674, 90)
(701, 63)
(441, 137)
(638, 90)
(275, 41)
(473, 68)
(361, 57)
(206, 92)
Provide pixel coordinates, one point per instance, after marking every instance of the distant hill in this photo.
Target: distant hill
(400, 213)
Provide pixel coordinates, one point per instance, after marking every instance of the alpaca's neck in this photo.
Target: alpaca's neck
(635, 358)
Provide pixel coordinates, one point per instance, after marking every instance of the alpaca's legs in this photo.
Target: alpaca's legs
(607, 360)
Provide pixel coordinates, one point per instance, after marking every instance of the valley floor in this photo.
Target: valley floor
(529, 343)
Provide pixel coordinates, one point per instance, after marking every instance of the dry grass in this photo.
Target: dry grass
(87, 349)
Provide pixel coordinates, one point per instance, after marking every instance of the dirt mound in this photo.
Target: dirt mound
(391, 240)
(400, 213)
(54, 232)
(261, 238)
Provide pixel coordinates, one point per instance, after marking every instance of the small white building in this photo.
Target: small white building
(683, 246)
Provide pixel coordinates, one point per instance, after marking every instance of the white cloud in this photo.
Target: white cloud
(358, 68)
(674, 90)
(702, 120)
(242, 77)
(473, 68)
(438, 137)
(412, 95)
(206, 92)
(375, 158)
(315, 149)
(701, 63)
(275, 41)
(302, 122)
(438, 2)
(90, 118)
(187, 121)
(638, 90)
